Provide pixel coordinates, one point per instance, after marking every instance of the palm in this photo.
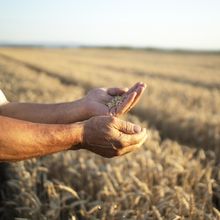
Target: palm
(97, 99)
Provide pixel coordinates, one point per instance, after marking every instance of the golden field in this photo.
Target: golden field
(174, 176)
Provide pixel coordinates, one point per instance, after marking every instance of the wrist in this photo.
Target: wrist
(63, 137)
(85, 109)
(78, 135)
(77, 111)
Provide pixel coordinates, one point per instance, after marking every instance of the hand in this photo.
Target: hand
(96, 100)
(109, 136)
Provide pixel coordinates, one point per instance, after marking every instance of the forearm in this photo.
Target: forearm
(22, 140)
(61, 113)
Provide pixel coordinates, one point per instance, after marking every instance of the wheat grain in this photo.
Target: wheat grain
(116, 101)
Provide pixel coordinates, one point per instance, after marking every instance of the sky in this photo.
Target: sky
(184, 24)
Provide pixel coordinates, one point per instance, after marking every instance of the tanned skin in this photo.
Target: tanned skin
(30, 130)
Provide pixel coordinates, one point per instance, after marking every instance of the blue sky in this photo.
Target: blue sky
(193, 24)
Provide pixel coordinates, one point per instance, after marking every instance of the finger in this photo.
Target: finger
(124, 140)
(116, 91)
(140, 90)
(128, 149)
(126, 103)
(126, 127)
(131, 148)
(112, 152)
(134, 87)
(128, 146)
(109, 153)
(137, 138)
(143, 140)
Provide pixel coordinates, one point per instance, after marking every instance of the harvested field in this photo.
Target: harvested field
(174, 176)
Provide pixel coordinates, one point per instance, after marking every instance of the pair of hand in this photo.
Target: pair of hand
(104, 133)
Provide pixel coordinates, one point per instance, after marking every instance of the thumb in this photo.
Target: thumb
(128, 127)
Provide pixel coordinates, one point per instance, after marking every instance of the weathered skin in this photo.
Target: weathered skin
(30, 130)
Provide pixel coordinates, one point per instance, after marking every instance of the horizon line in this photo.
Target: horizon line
(102, 46)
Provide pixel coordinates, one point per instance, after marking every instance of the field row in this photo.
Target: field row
(201, 70)
(60, 66)
(180, 111)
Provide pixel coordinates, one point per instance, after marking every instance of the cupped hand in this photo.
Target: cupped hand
(109, 136)
(96, 100)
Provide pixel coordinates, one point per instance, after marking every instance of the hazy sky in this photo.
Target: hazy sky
(161, 23)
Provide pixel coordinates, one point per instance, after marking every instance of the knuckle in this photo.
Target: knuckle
(127, 126)
(130, 127)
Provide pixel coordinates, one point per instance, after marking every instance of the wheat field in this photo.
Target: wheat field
(174, 176)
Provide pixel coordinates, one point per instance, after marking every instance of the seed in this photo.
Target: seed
(117, 100)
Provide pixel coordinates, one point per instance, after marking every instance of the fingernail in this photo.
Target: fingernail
(137, 128)
(143, 85)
